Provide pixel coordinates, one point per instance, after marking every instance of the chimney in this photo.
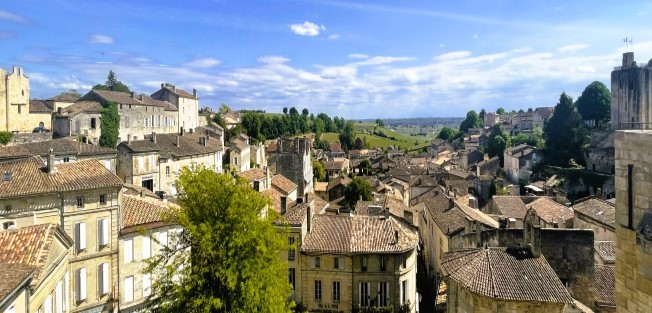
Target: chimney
(598, 193)
(181, 131)
(128, 139)
(59, 110)
(51, 167)
(309, 217)
(284, 204)
(194, 92)
(162, 85)
(154, 137)
(451, 203)
(133, 94)
(178, 140)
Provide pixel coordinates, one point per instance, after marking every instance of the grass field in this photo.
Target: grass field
(402, 141)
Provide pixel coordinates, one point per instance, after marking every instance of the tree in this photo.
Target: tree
(482, 114)
(224, 108)
(112, 83)
(347, 136)
(71, 92)
(5, 137)
(285, 110)
(110, 124)
(595, 103)
(472, 121)
(565, 134)
(304, 112)
(500, 111)
(355, 190)
(446, 133)
(227, 257)
(293, 111)
(358, 145)
(499, 140)
(318, 171)
(380, 122)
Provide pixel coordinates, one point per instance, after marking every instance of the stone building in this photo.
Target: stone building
(41, 111)
(46, 247)
(154, 162)
(598, 215)
(142, 235)
(551, 214)
(240, 153)
(84, 198)
(519, 161)
(631, 87)
(140, 115)
(292, 160)
(14, 103)
(633, 221)
(186, 104)
(79, 119)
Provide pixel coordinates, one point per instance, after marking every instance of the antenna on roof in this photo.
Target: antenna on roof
(628, 43)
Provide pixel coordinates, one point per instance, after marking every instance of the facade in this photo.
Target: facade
(14, 103)
(79, 119)
(292, 160)
(140, 115)
(142, 235)
(40, 110)
(240, 153)
(82, 197)
(186, 104)
(633, 221)
(631, 87)
(154, 162)
(519, 161)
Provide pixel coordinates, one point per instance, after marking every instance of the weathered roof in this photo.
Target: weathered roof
(504, 273)
(11, 276)
(166, 144)
(321, 186)
(605, 285)
(116, 96)
(336, 164)
(345, 181)
(275, 196)
(58, 146)
(335, 147)
(88, 107)
(64, 97)
(28, 177)
(135, 190)
(606, 250)
(39, 106)
(599, 210)
(145, 99)
(253, 174)
(551, 211)
(141, 211)
(521, 150)
(283, 184)
(358, 234)
(510, 206)
(451, 216)
(179, 92)
(239, 144)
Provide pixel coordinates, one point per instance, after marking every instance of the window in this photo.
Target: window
(80, 202)
(80, 236)
(363, 294)
(316, 262)
(103, 278)
(47, 305)
(383, 294)
(336, 291)
(292, 277)
(404, 260)
(147, 285)
(404, 291)
(291, 252)
(103, 236)
(167, 171)
(6, 225)
(66, 159)
(102, 199)
(80, 285)
(152, 160)
(129, 250)
(141, 162)
(363, 263)
(383, 263)
(235, 160)
(317, 290)
(337, 263)
(93, 123)
(129, 289)
(147, 247)
(66, 291)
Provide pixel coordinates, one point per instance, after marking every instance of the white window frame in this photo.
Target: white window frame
(337, 292)
(80, 284)
(128, 247)
(146, 247)
(103, 235)
(80, 236)
(318, 290)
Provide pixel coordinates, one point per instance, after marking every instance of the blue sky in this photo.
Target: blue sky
(357, 59)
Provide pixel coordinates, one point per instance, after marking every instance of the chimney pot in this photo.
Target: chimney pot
(59, 110)
(50, 165)
(154, 137)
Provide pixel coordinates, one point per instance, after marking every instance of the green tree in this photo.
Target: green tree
(227, 257)
(595, 103)
(294, 111)
(112, 83)
(500, 111)
(318, 171)
(499, 140)
(71, 92)
(285, 110)
(347, 136)
(5, 137)
(481, 115)
(472, 121)
(565, 134)
(355, 190)
(224, 108)
(219, 120)
(110, 124)
(446, 133)
(380, 122)
(304, 112)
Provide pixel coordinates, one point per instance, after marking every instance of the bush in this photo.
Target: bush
(5, 137)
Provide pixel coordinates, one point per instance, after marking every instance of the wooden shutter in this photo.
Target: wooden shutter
(103, 278)
(147, 247)
(129, 289)
(80, 285)
(106, 238)
(80, 236)
(128, 250)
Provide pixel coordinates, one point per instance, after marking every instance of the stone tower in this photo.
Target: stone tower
(292, 160)
(14, 101)
(631, 94)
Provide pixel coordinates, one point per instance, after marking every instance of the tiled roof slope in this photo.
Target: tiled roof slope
(90, 107)
(253, 174)
(606, 250)
(453, 219)
(605, 283)
(12, 275)
(510, 206)
(508, 274)
(599, 210)
(283, 184)
(358, 234)
(28, 177)
(551, 211)
(39, 106)
(58, 146)
(141, 211)
(166, 144)
(64, 98)
(117, 96)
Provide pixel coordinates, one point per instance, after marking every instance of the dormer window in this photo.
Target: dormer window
(6, 176)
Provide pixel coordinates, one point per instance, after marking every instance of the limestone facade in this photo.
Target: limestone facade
(292, 159)
(14, 102)
(187, 105)
(631, 87)
(633, 221)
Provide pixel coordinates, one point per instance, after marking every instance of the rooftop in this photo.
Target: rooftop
(551, 211)
(606, 250)
(139, 211)
(510, 206)
(58, 147)
(253, 174)
(599, 210)
(12, 276)
(605, 283)
(283, 184)
(166, 145)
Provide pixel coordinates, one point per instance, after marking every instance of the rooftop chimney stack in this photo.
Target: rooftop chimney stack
(154, 137)
(598, 193)
(178, 140)
(51, 167)
(162, 85)
(128, 139)
(194, 92)
(133, 95)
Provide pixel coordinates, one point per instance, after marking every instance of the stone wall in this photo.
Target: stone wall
(21, 138)
(631, 86)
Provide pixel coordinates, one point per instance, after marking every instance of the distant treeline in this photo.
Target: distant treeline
(420, 121)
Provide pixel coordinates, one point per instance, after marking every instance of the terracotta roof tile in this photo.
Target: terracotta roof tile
(166, 144)
(12, 275)
(39, 106)
(275, 196)
(358, 234)
(510, 206)
(551, 211)
(599, 210)
(141, 211)
(58, 146)
(606, 250)
(605, 283)
(64, 98)
(453, 219)
(503, 273)
(321, 186)
(335, 147)
(283, 184)
(180, 92)
(88, 107)
(253, 174)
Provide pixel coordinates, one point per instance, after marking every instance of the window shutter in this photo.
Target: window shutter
(80, 285)
(147, 284)
(66, 291)
(147, 247)
(129, 250)
(58, 299)
(163, 239)
(103, 278)
(80, 236)
(129, 289)
(106, 238)
(47, 306)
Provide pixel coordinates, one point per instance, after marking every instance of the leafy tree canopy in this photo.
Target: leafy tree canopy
(500, 111)
(447, 133)
(224, 108)
(472, 121)
(380, 122)
(304, 112)
(499, 140)
(565, 134)
(227, 257)
(113, 84)
(356, 189)
(318, 171)
(595, 102)
(71, 92)
(5, 137)
(347, 136)
(110, 125)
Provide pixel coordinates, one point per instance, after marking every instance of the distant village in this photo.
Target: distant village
(449, 229)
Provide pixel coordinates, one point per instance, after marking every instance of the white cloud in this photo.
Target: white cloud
(453, 55)
(101, 39)
(378, 60)
(11, 17)
(203, 63)
(572, 48)
(273, 59)
(475, 36)
(441, 45)
(334, 37)
(358, 56)
(307, 29)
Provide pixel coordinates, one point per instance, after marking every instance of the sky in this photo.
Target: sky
(354, 59)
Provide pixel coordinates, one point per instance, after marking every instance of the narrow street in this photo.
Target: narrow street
(424, 288)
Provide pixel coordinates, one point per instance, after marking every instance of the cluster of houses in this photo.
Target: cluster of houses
(78, 221)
